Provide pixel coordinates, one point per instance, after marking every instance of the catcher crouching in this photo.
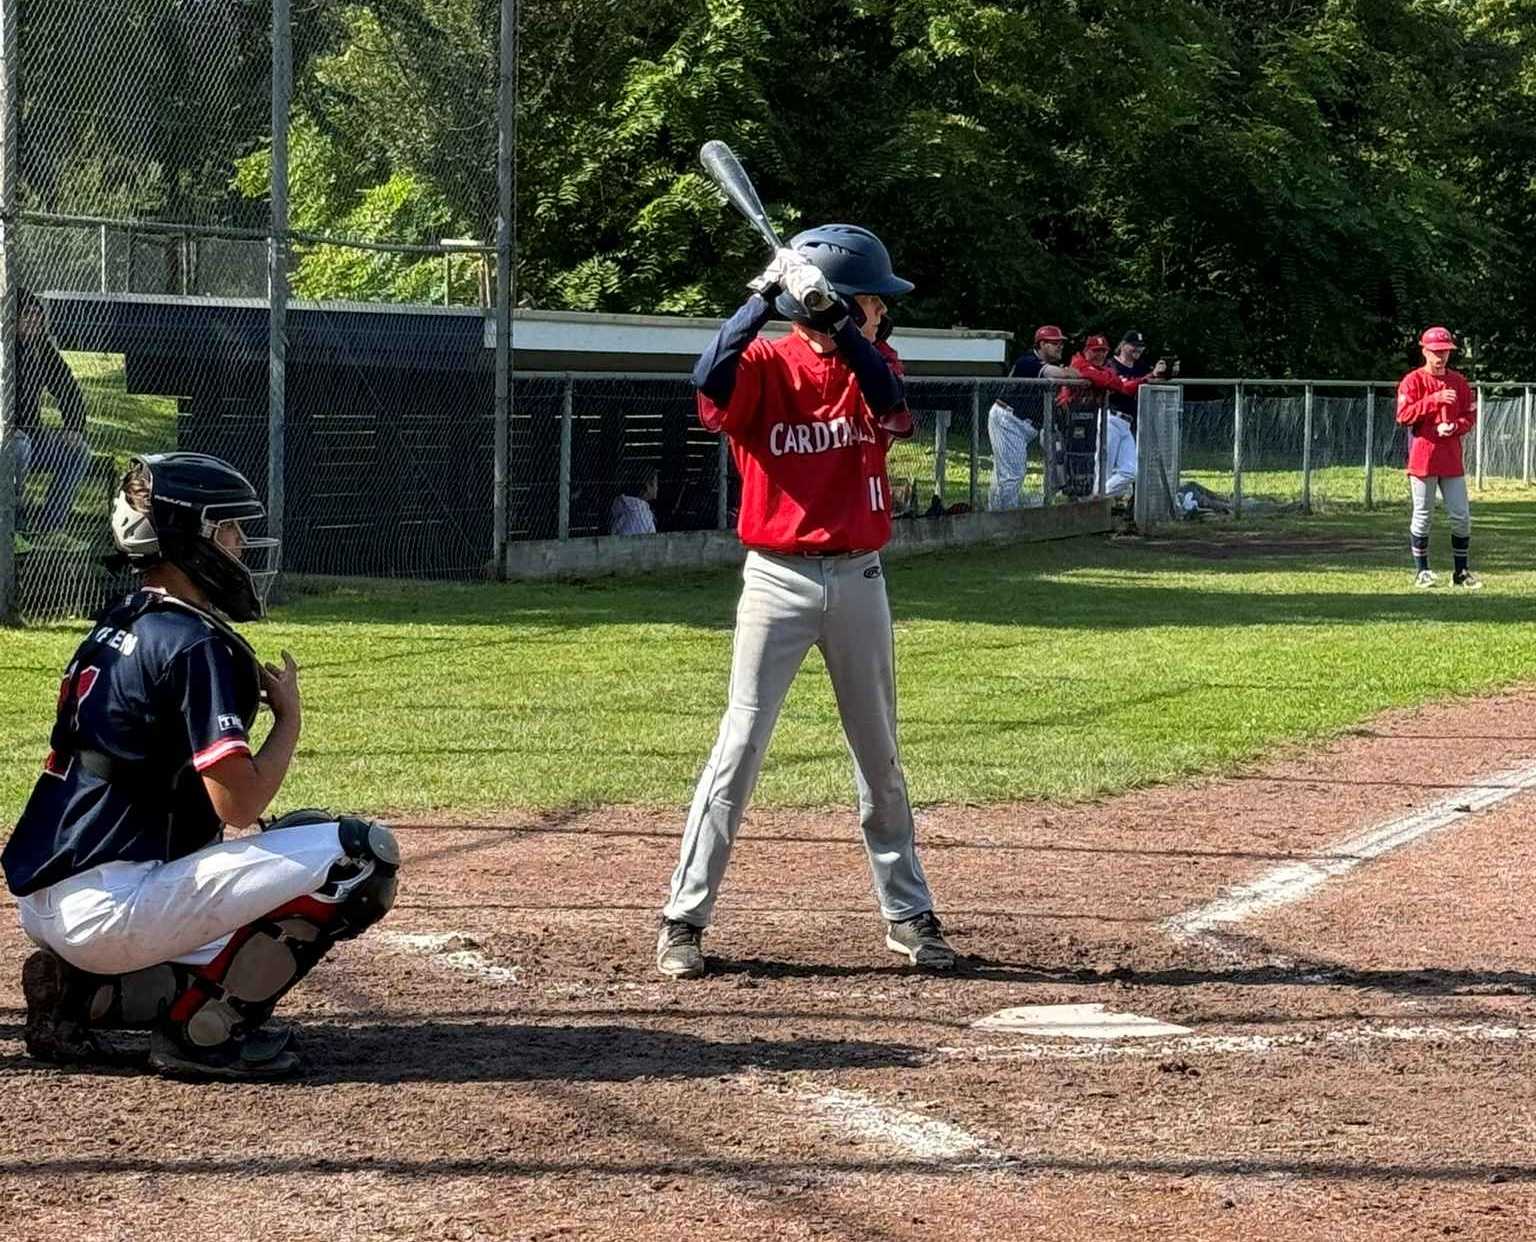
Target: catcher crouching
(145, 918)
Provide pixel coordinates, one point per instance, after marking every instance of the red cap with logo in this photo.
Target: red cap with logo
(1095, 342)
(1437, 338)
(1050, 332)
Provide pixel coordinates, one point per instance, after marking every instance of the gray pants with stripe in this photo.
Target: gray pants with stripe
(1453, 494)
(788, 604)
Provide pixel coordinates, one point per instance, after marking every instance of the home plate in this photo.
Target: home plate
(1077, 1022)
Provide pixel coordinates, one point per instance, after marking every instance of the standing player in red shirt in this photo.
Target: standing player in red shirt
(1436, 406)
(810, 418)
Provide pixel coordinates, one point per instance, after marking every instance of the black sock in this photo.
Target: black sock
(1420, 545)
(1459, 546)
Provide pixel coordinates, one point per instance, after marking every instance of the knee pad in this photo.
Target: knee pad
(365, 839)
(363, 885)
(300, 819)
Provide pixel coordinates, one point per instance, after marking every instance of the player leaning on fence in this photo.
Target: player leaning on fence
(1436, 406)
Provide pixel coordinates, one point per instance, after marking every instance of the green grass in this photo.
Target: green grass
(121, 422)
(1041, 671)
(118, 423)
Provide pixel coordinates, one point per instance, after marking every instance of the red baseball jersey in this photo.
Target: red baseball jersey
(1431, 454)
(809, 450)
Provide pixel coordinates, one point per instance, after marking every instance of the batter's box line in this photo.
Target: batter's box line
(1213, 926)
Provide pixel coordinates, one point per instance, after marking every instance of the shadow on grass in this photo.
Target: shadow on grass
(1023, 584)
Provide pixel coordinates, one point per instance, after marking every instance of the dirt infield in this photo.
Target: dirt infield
(500, 1060)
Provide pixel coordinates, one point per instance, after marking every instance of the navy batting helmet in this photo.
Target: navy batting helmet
(170, 508)
(853, 260)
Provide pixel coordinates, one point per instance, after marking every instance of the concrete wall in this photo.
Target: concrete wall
(703, 549)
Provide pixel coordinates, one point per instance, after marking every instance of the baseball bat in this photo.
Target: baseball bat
(725, 171)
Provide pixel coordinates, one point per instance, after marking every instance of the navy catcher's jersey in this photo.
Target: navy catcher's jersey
(157, 693)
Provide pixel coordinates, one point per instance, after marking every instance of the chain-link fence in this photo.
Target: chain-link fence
(1277, 445)
(195, 258)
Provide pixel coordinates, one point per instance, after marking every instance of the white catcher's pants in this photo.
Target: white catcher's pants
(788, 604)
(126, 916)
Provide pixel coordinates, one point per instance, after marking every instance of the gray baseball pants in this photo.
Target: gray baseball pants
(788, 604)
(1453, 494)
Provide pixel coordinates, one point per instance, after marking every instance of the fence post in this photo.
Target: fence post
(277, 276)
(1370, 444)
(722, 497)
(1237, 452)
(1306, 449)
(500, 470)
(1525, 440)
(941, 456)
(103, 258)
(975, 441)
(9, 606)
(565, 457)
(1478, 440)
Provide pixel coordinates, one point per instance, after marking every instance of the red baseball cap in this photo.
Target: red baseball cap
(1050, 332)
(1437, 338)
(1095, 342)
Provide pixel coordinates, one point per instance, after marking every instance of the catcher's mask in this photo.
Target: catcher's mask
(204, 517)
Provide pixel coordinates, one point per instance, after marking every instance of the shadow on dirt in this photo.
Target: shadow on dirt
(507, 1052)
(799, 1173)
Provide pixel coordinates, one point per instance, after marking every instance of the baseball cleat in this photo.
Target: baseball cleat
(1467, 581)
(251, 1059)
(679, 949)
(1426, 578)
(922, 940)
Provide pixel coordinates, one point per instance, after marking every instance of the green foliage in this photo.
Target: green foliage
(1263, 186)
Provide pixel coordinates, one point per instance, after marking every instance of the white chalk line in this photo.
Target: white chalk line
(453, 951)
(1292, 882)
(903, 1129)
(1252, 1045)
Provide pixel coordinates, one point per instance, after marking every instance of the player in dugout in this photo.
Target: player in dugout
(145, 917)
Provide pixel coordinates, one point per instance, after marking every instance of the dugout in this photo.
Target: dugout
(389, 431)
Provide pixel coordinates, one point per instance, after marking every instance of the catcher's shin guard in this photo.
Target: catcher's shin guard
(237, 991)
(69, 1010)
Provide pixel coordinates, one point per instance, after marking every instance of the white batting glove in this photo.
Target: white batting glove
(807, 284)
(773, 275)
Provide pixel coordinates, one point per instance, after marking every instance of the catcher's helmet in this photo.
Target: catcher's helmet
(191, 496)
(853, 260)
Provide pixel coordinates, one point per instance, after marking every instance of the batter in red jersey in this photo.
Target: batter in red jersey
(1436, 406)
(810, 418)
